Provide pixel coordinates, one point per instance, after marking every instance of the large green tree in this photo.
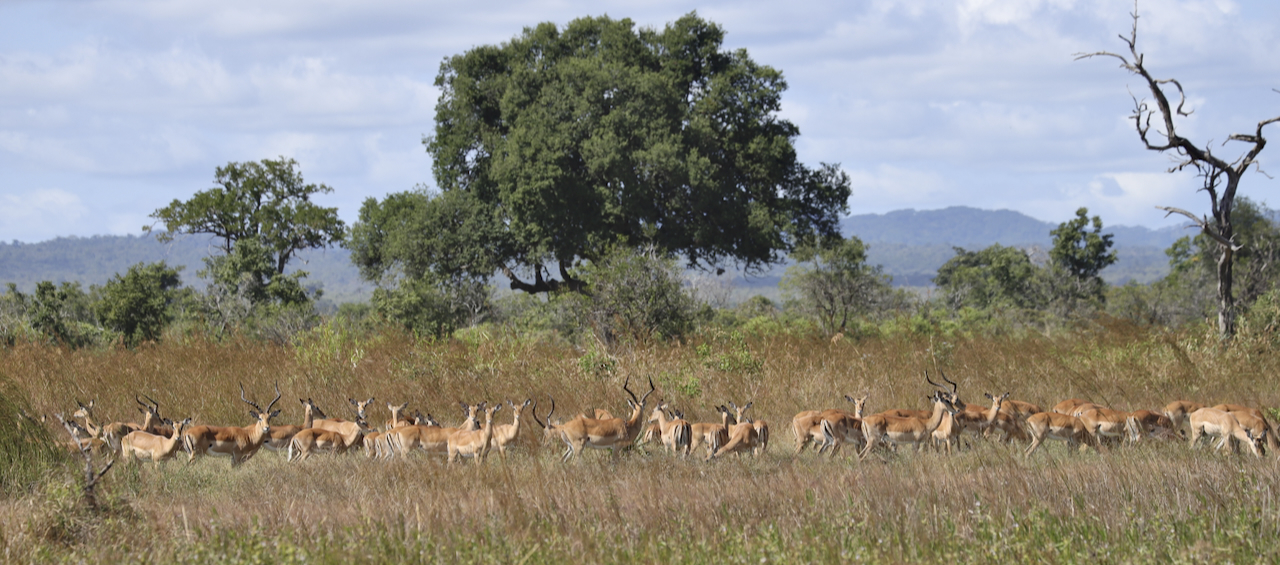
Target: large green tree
(834, 283)
(997, 276)
(1077, 258)
(554, 147)
(137, 303)
(267, 201)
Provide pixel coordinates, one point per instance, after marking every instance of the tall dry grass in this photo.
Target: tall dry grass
(1152, 502)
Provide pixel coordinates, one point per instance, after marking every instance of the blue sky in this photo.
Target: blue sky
(110, 109)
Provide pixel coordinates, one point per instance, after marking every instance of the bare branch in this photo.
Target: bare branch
(1204, 226)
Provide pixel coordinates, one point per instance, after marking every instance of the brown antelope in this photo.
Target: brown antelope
(713, 434)
(314, 439)
(141, 445)
(504, 435)
(432, 439)
(1056, 426)
(238, 443)
(676, 434)
(742, 435)
(1178, 410)
(473, 443)
(280, 436)
(1105, 423)
(1007, 421)
(1258, 423)
(898, 430)
(1069, 406)
(1154, 425)
(612, 434)
(111, 433)
(396, 421)
(1225, 426)
(81, 438)
(830, 428)
(761, 426)
(1019, 409)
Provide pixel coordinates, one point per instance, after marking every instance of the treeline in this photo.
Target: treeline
(643, 294)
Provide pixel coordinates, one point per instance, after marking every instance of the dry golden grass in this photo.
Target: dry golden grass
(1149, 503)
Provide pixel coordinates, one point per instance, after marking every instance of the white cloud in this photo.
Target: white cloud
(39, 214)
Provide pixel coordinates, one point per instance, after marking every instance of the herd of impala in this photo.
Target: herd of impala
(945, 425)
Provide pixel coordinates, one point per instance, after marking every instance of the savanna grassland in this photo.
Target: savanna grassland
(1150, 503)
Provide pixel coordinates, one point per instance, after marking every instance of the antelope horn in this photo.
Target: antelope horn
(926, 377)
(153, 402)
(624, 387)
(277, 399)
(646, 395)
(247, 401)
(954, 386)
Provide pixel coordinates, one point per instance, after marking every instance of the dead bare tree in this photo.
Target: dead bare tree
(1219, 178)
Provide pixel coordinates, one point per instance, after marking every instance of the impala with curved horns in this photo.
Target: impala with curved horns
(238, 443)
(612, 434)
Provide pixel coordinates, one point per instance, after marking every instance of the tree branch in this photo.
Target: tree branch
(1204, 226)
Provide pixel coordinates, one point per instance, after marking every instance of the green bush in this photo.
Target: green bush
(27, 449)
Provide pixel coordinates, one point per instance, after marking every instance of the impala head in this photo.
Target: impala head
(637, 405)
(264, 416)
(859, 404)
(360, 406)
(739, 413)
(550, 429)
(952, 396)
(996, 401)
(85, 411)
(519, 409)
(658, 411)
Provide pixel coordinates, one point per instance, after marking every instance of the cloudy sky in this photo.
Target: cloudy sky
(110, 109)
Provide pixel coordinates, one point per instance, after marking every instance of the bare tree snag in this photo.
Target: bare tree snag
(91, 477)
(1219, 178)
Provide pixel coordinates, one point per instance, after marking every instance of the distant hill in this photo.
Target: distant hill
(967, 227)
(94, 260)
(912, 244)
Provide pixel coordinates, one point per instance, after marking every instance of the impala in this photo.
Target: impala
(1154, 425)
(141, 445)
(1222, 425)
(676, 434)
(314, 439)
(396, 421)
(1019, 409)
(352, 430)
(1105, 423)
(1178, 410)
(111, 433)
(1056, 426)
(612, 434)
(432, 439)
(1069, 406)
(898, 430)
(829, 428)
(742, 436)
(1259, 426)
(1007, 421)
(506, 434)
(473, 443)
(279, 438)
(761, 442)
(713, 434)
(237, 443)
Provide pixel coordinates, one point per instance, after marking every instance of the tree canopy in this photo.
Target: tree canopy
(561, 143)
(265, 200)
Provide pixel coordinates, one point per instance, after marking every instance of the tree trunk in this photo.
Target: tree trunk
(1226, 301)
